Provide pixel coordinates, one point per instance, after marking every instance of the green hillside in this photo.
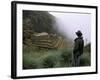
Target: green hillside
(36, 22)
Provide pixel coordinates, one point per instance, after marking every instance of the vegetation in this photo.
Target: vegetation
(49, 51)
(86, 58)
(47, 59)
(36, 22)
(51, 58)
(87, 48)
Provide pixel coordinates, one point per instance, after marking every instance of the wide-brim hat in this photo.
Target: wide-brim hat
(79, 33)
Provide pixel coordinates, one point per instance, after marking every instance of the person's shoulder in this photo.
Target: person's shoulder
(75, 39)
(78, 39)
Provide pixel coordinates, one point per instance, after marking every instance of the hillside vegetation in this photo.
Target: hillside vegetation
(36, 22)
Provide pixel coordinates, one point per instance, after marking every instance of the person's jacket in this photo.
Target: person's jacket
(78, 46)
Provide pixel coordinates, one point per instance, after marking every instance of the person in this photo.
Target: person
(78, 48)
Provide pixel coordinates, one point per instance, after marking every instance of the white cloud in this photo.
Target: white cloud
(69, 23)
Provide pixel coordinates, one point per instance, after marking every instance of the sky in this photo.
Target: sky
(69, 23)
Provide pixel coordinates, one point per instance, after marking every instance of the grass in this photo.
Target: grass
(85, 59)
(35, 58)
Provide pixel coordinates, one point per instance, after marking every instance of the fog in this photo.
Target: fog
(69, 23)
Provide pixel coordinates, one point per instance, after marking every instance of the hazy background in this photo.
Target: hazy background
(69, 23)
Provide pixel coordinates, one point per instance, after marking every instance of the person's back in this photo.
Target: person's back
(79, 44)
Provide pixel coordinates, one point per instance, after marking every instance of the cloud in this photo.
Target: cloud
(69, 23)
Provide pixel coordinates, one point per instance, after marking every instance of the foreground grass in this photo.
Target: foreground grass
(35, 59)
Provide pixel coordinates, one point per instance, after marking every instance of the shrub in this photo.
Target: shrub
(66, 58)
(85, 60)
(49, 61)
(29, 62)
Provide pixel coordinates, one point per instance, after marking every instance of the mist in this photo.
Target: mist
(69, 23)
